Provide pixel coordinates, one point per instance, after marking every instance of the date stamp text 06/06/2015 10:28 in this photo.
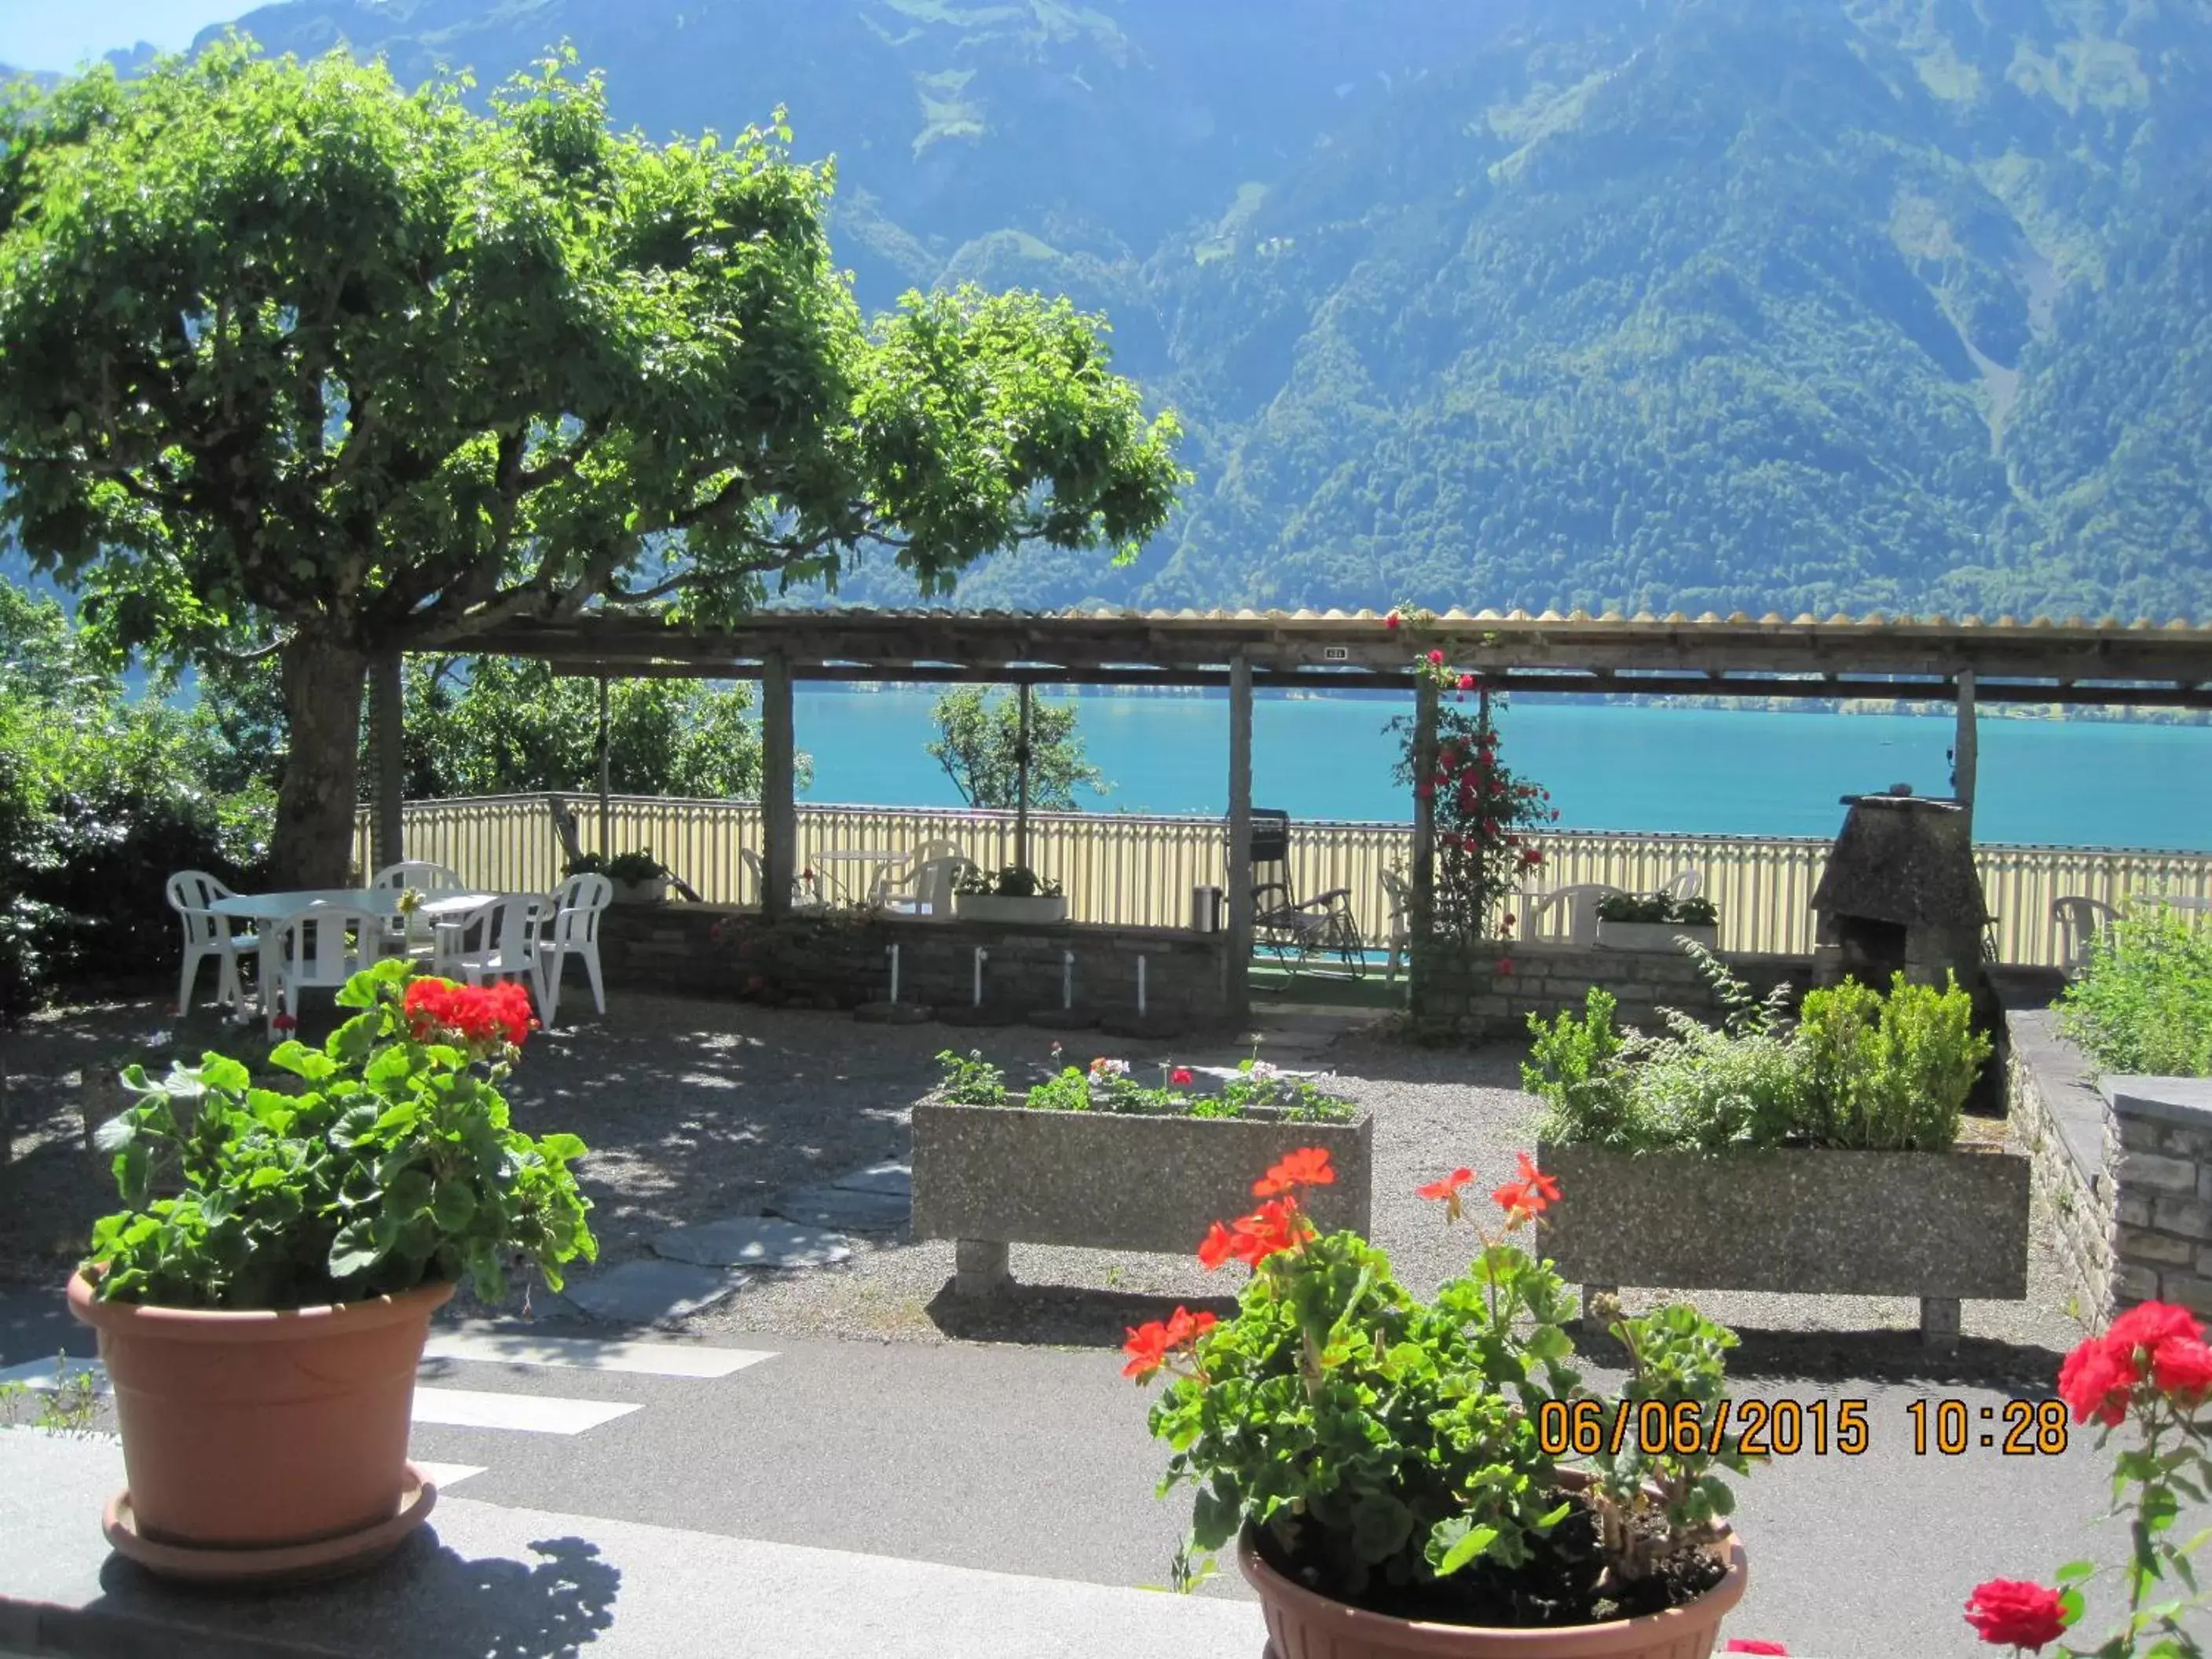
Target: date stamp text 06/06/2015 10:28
(1945, 1427)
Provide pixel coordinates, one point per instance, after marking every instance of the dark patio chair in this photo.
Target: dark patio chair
(1297, 930)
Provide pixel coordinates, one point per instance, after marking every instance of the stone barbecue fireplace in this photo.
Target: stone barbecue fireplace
(1901, 892)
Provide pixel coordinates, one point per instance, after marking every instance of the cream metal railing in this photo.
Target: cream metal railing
(1139, 870)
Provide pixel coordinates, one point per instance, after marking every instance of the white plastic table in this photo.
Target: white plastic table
(264, 909)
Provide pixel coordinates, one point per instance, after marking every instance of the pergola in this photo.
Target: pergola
(2073, 663)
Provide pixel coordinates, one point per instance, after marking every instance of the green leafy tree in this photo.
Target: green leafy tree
(294, 359)
(978, 744)
(491, 726)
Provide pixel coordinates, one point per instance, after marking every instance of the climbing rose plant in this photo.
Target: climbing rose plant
(1485, 818)
(389, 1162)
(2151, 1370)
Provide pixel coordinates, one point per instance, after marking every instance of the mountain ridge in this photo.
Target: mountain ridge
(1758, 304)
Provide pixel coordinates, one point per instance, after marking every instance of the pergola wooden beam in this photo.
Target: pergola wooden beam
(2075, 662)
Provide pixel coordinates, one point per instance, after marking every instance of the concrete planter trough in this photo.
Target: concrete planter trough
(1034, 911)
(652, 891)
(988, 1176)
(1655, 935)
(1942, 1226)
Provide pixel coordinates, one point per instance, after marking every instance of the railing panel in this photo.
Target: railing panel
(1139, 871)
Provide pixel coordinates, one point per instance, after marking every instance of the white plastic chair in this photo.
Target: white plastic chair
(207, 934)
(1568, 914)
(424, 877)
(319, 949)
(932, 890)
(901, 891)
(1684, 884)
(2078, 921)
(569, 926)
(498, 940)
(1400, 892)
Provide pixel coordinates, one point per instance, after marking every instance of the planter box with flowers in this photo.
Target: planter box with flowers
(1820, 1157)
(636, 878)
(1014, 895)
(263, 1301)
(1093, 1159)
(1655, 922)
(1394, 1473)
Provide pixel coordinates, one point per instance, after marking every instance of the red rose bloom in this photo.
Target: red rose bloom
(1467, 682)
(2182, 1370)
(2096, 1379)
(1391, 620)
(2153, 1325)
(1180, 1076)
(1435, 660)
(2012, 1612)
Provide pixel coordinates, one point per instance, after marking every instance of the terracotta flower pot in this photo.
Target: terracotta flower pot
(256, 1432)
(1303, 1624)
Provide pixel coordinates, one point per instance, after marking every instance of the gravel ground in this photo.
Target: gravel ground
(697, 1109)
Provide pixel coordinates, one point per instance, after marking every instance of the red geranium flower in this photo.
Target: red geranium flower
(1308, 1166)
(284, 1022)
(1275, 1225)
(2014, 1612)
(2096, 1379)
(1544, 1186)
(1444, 1189)
(1219, 1245)
(2182, 1370)
(1148, 1345)
(1180, 1076)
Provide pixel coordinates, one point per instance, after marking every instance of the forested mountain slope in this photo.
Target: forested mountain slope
(1768, 304)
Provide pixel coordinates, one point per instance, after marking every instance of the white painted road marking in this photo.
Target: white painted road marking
(444, 1476)
(524, 1413)
(589, 1354)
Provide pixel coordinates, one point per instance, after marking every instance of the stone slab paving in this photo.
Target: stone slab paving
(645, 1292)
(896, 1180)
(481, 1580)
(839, 1207)
(753, 1242)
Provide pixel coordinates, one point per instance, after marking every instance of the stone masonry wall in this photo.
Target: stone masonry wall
(2123, 1171)
(1493, 994)
(2073, 1142)
(715, 951)
(2164, 1236)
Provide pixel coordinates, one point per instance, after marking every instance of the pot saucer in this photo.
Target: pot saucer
(322, 1558)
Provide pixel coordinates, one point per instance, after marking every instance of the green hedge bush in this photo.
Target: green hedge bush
(2144, 1006)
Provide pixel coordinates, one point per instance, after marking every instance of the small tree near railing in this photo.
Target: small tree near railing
(1485, 819)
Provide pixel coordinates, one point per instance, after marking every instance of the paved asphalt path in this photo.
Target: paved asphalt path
(1038, 1462)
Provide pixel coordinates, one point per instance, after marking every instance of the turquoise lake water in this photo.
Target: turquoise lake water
(1608, 766)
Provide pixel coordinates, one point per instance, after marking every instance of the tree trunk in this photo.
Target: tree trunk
(318, 801)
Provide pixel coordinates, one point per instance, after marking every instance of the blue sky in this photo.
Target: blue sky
(60, 35)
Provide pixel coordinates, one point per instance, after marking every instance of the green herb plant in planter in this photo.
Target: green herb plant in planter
(1401, 1477)
(1015, 894)
(638, 877)
(1655, 922)
(262, 1300)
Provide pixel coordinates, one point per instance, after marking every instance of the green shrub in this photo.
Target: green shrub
(1658, 907)
(1859, 1071)
(1889, 1073)
(971, 1080)
(2144, 1006)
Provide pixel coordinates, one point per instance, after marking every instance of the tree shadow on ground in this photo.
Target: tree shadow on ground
(1888, 1356)
(427, 1602)
(1057, 1315)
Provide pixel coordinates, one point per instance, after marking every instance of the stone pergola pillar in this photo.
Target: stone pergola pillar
(387, 719)
(1238, 989)
(779, 783)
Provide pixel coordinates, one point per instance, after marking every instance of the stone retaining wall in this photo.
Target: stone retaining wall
(1493, 994)
(2123, 1171)
(715, 951)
